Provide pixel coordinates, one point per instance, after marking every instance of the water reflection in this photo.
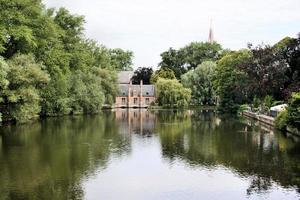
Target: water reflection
(49, 160)
(189, 154)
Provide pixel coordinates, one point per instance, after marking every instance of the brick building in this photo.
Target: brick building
(133, 96)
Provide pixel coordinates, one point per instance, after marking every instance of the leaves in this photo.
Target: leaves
(171, 93)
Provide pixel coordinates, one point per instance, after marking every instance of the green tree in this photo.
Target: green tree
(3, 80)
(200, 82)
(108, 82)
(174, 60)
(230, 82)
(56, 42)
(190, 56)
(290, 49)
(171, 93)
(85, 93)
(26, 78)
(293, 116)
(197, 52)
(121, 60)
(164, 73)
(17, 20)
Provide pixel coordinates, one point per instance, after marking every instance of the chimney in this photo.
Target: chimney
(141, 93)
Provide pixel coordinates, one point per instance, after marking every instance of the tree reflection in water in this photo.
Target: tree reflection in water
(51, 159)
(202, 138)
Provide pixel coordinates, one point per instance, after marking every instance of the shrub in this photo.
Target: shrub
(293, 116)
(281, 120)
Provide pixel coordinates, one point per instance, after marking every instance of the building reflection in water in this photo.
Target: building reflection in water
(136, 121)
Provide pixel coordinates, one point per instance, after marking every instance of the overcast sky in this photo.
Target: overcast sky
(149, 27)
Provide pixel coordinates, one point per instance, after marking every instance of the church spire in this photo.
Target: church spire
(211, 33)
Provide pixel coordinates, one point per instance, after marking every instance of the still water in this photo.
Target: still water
(138, 154)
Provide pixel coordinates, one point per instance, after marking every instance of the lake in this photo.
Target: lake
(140, 154)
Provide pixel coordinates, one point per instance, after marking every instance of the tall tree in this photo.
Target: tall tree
(197, 52)
(190, 56)
(290, 49)
(142, 74)
(164, 73)
(171, 93)
(121, 60)
(230, 81)
(200, 81)
(174, 60)
(267, 71)
(21, 98)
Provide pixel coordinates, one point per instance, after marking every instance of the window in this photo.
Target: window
(123, 100)
(135, 100)
(147, 101)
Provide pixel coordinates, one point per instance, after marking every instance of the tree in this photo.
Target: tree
(85, 93)
(142, 74)
(3, 80)
(230, 81)
(290, 49)
(200, 82)
(266, 69)
(174, 60)
(171, 93)
(293, 111)
(197, 52)
(56, 44)
(108, 82)
(164, 73)
(21, 99)
(190, 56)
(121, 60)
(17, 19)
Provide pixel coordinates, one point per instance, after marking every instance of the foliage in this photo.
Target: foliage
(281, 120)
(243, 107)
(190, 56)
(108, 83)
(61, 58)
(164, 73)
(293, 116)
(290, 50)
(256, 102)
(3, 74)
(86, 95)
(200, 82)
(121, 60)
(171, 93)
(22, 96)
(266, 70)
(142, 73)
(230, 82)
(173, 59)
(197, 52)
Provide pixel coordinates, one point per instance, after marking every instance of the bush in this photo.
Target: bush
(281, 120)
(171, 93)
(293, 116)
(243, 107)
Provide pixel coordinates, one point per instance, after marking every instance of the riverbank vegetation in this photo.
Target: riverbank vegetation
(48, 67)
(256, 77)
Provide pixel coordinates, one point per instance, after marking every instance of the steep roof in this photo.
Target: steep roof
(124, 77)
(147, 90)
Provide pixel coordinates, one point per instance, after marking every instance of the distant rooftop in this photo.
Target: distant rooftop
(124, 77)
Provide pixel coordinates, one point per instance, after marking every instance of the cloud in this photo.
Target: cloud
(151, 27)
